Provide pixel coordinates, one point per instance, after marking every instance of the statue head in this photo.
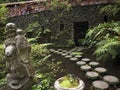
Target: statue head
(10, 29)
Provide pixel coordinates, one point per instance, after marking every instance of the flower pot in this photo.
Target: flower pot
(80, 86)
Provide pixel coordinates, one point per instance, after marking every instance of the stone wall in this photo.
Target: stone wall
(52, 20)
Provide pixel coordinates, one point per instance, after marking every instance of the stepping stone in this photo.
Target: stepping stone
(100, 85)
(111, 79)
(92, 75)
(78, 56)
(56, 51)
(64, 51)
(85, 67)
(85, 59)
(51, 50)
(101, 70)
(73, 59)
(59, 53)
(80, 63)
(64, 54)
(93, 64)
(118, 89)
(60, 50)
(68, 56)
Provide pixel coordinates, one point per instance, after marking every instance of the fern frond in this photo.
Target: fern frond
(110, 46)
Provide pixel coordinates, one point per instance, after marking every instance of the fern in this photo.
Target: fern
(110, 46)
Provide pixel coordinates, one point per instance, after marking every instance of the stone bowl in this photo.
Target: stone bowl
(79, 87)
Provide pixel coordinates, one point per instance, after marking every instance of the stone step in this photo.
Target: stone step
(100, 85)
(78, 56)
(73, 59)
(118, 89)
(68, 56)
(64, 54)
(92, 75)
(85, 68)
(93, 64)
(80, 63)
(60, 50)
(111, 79)
(85, 59)
(101, 70)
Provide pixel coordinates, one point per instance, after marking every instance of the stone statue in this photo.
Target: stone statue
(17, 57)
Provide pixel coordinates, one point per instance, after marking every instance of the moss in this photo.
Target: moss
(69, 82)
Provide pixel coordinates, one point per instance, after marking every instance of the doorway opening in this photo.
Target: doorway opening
(80, 29)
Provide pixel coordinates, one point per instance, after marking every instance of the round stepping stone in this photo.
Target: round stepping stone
(51, 50)
(93, 64)
(118, 89)
(73, 59)
(56, 51)
(80, 63)
(68, 56)
(111, 79)
(92, 75)
(64, 54)
(85, 68)
(100, 70)
(59, 53)
(85, 59)
(64, 51)
(100, 85)
(78, 56)
(60, 50)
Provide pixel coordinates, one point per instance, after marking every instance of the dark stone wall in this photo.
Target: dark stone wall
(52, 20)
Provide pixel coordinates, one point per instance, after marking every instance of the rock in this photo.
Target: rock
(68, 56)
(100, 70)
(118, 89)
(93, 64)
(80, 63)
(60, 50)
(64, 54)
(92, 75)
(51, 50)
(100, 85)
(73, 59)
(64, 51)
(85, 67)
(111, 79)
(78, 56)
(85, 59)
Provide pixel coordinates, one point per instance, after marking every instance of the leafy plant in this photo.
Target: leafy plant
(71, 43)
(3, 11)
(2, 81)
(2, 63)
(105, 38)
(110, 10)
(56, 4)
(107, 49)
(34, 31)
(46, 69)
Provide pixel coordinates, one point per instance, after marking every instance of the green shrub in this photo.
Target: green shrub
(2, 63)
(71, 43)
(105, 38)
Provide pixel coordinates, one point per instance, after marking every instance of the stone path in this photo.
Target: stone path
(94, 73)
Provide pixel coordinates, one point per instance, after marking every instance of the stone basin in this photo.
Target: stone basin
(79, 87)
